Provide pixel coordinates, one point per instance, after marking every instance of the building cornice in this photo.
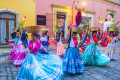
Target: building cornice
(67, 7)
(61, 6)
(101, 1)
(113, 2)
(111, 10)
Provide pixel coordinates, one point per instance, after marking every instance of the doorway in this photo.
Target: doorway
(61, 20)
(7, 24)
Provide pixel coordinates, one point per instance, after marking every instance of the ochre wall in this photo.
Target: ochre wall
(24, 8)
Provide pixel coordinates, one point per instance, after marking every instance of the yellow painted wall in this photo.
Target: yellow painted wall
(24, 8)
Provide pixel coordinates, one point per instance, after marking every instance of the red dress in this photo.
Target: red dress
(104, 40)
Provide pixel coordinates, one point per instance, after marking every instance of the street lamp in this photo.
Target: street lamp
(83, 5)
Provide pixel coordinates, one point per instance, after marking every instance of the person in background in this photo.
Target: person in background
(57, 44)
(13, 34)
(111, 47)
(44, 39)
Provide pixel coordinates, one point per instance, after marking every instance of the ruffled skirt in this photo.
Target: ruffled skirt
(93, 56)
(41, 67)
(17, 54)
(111, 51)
(72, 62)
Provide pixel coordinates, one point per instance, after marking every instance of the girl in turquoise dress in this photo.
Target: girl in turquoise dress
(37, 66)
(92, 55)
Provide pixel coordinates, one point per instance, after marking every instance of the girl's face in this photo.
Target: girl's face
(74, 35)
(17, 35)
(95, 33)
(109, 17)
(44, 34)
(34, 38)
(111, 35)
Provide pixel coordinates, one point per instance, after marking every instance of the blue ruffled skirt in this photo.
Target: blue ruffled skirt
(93, 56)
(72, 62)
(41, 67)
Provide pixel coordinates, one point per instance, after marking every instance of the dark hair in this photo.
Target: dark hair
(34, 34)
(74, 32)
(111, 32)
(19, 32)
(94, 32)
(45, 33)
(105, 19)
(111, 14)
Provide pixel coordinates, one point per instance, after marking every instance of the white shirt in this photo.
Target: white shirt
(44, 38)
(72, 44)
(92, 41)
(106, 25)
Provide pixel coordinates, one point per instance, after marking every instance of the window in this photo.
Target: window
(7, 24)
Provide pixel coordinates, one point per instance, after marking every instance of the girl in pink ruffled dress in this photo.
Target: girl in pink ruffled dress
(18, 53)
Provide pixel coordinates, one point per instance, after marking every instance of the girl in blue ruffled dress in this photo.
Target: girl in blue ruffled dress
(37, 66)
(72, 62)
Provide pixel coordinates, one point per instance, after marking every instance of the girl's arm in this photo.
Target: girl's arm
(12, 41)
(44, 49)
(68, 34)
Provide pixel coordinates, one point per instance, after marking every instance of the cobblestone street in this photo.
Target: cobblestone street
(111, 71)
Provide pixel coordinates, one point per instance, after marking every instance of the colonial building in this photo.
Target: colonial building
(49, 13)
(94, 12)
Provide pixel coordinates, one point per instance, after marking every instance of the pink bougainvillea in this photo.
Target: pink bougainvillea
(78, 18)
(72, 25)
